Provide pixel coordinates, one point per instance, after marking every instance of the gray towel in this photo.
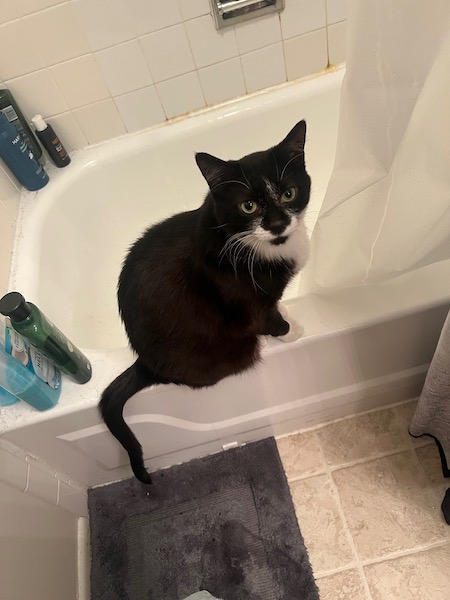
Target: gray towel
(432, 415)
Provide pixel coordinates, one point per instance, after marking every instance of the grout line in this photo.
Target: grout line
(347, 417)
(360, 461)
(350, 539)
(408, 552)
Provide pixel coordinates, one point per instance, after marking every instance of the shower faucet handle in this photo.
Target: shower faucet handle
(230, 12)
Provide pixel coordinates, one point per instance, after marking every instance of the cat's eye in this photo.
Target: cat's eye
(249, 207)
(289, 194)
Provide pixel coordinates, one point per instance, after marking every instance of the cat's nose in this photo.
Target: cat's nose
(277, 226)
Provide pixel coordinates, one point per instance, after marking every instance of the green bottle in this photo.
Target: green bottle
(31, 323)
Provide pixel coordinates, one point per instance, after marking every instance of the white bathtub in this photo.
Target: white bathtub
(362, 348)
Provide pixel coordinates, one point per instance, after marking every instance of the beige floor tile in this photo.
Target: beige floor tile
(301, 455)
(431, 463)
(320, 523)
(406, 411)
(390, 505)
(363, 436)
(420, 576)
(346, 585)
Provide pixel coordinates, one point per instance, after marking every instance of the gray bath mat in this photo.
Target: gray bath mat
(224, 523)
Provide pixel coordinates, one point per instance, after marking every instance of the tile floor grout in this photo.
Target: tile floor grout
(358, 564)
(346, 418)
(341, 512)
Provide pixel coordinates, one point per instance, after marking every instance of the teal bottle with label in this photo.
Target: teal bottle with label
(24, 384)
(7, 399)
(32, 324)
(11, 110)
(20, 159)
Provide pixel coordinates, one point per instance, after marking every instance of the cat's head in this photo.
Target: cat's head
(260, 198)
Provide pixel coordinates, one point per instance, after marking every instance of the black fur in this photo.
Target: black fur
(192, 306)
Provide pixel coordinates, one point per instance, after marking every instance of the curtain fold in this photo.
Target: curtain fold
(387, 207)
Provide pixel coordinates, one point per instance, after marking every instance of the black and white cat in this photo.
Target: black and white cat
(197, 289)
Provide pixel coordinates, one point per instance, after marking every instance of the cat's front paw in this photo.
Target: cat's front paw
(296, 330)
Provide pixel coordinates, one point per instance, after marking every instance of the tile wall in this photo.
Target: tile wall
(98, 69)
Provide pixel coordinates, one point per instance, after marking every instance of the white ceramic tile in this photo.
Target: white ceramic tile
(181, 94)
(337, 42)
(190, 9)
(72, 500)
(13, 470)
(9, 12)
(30, 6)
(57, 34)
(37, 93)
(264, 68)
(80, 81)
(336, 11)
(140, 109)
(124, 68)
(105, 22)
(68, 131)
(42, 484)
(302, 16)
(306, 54)
(5, 267)
(100, 121)
(258, 34)
(7, 228)
(208, 45)
(16, 56)
(151, 15)
(9, 194)
(222, 81)
(167, 53)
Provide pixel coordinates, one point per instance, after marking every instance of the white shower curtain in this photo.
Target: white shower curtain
(387, 207)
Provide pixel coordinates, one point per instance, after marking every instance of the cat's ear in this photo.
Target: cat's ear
(213, 169)
(294, 142)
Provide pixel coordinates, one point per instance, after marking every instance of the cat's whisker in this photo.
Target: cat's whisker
(245, 176)
(219, 226)
(229, 181)
(289, 162)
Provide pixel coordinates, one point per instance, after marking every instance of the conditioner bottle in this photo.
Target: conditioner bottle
(51, 142)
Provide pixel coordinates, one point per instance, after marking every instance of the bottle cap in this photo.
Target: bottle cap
(39, 123)
(13, 305)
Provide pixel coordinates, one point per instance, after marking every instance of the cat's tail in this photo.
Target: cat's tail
(111, 405)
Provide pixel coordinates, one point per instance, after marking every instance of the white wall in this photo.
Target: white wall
(38, 549)
(41, 515)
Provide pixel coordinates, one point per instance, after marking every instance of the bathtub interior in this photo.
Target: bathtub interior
(84, 225)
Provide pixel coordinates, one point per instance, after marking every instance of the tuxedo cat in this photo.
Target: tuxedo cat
(197, 289)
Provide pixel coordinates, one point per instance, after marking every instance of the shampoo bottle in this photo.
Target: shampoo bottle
(51, 142)
(31, 323)
(12, 112)
(25, 385)
(19, 158)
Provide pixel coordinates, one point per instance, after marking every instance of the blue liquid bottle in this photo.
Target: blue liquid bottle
(7, 399)
(19, 158)
(19, 381)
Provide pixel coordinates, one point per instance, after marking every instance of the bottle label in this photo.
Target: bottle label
(32, 358)
(13, 118)
(10, 113)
